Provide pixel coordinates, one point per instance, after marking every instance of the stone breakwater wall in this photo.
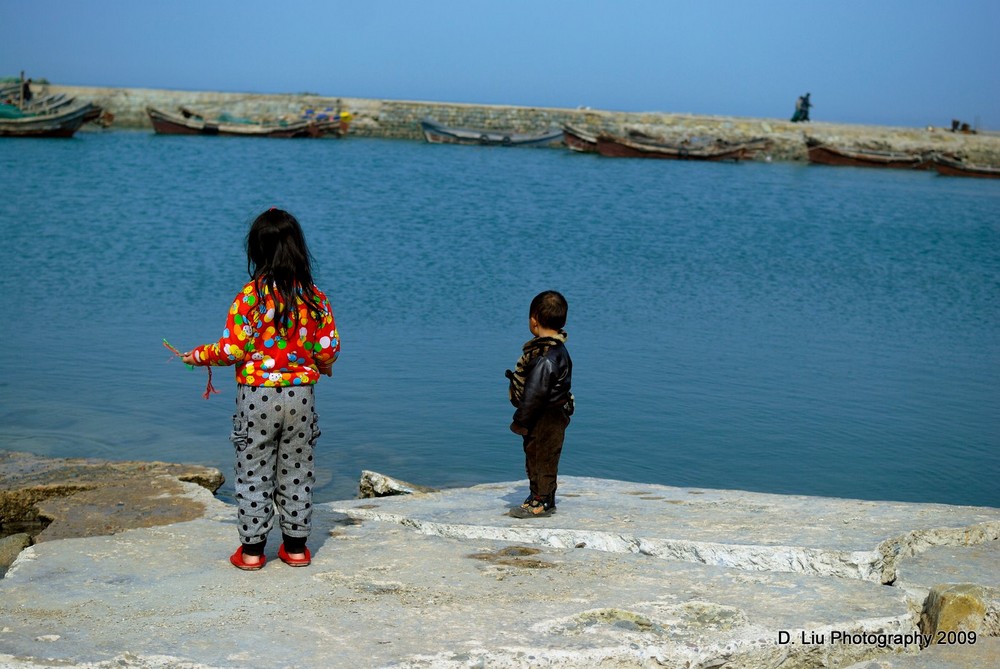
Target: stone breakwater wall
(400, 119)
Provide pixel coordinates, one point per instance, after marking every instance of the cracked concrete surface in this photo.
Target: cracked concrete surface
(752, 531)
(623, 575)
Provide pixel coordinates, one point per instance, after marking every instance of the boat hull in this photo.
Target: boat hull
(823, 154)
(166, 123)
(954, 168)
(620, 147)
(439, 134)
(63, 124)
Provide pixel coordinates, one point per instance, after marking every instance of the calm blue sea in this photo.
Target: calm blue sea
(770, 327)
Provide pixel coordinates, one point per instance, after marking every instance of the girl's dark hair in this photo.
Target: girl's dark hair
(549, 309)
(278, 259)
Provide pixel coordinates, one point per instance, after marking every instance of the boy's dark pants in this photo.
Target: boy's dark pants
(542, 448)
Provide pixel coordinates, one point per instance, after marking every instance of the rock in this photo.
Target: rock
(62, 498)
(10, 548)
(937, 581)
(373, 484)
(953, 608)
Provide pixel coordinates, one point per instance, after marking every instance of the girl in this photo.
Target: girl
(281, 336)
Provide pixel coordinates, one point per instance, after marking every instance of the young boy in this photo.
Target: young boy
(540, 389)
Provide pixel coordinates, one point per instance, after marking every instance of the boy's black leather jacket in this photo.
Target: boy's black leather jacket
(546, 384)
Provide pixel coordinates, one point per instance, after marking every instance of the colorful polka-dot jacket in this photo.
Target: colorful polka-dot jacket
(265, 357)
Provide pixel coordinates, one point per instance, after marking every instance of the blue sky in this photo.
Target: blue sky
(893, 62)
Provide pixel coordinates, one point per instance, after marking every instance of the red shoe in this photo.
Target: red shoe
(237, 560)
(294, 562)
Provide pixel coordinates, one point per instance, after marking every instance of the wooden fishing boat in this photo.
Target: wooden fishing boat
(187, 122)
(826, 154)
(50, 104)
(951, 167)
(436, 133)
(64, 121)
(579, 140)
(634, 147)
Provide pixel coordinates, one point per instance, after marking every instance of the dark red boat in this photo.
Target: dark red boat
(825, 154)
(956, 168)
(633, 147)
(187, 122)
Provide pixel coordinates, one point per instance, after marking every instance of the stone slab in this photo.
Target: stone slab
(448, 580)
(746, 530)
(955, 586)
(979, 564)
(57, 498)
(379, 594)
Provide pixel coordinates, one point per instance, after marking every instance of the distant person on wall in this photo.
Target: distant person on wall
(802, 106)
(540, 390)
(281, 336)
(26, 93)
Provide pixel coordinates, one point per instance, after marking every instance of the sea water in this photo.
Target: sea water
(771, 327)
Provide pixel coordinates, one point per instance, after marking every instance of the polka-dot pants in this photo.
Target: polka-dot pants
(274, 432)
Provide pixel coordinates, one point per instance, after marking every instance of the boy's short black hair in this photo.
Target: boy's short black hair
(549, 309)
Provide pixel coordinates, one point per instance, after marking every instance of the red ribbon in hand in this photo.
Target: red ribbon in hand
(209, 389)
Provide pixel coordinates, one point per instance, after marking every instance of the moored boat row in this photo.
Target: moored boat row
(821, 153)
(577, 139)
(61, 116)
(640, 145)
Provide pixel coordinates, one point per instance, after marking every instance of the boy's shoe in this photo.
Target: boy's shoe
(533, 509)
(530, 498)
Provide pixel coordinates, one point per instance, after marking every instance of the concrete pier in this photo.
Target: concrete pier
(401, 119)
(622, 575)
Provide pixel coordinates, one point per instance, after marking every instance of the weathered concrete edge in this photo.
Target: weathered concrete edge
(52, 498)
(745, 650)
(877, 565)
(895, 549)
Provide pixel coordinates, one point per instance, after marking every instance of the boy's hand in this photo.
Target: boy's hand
(518, 429)
(188, 358)
(325, 369)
